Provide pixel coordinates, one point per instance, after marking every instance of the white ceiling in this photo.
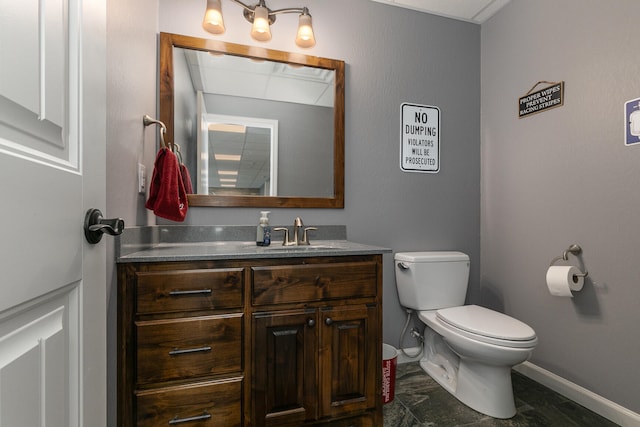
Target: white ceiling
(476, 11)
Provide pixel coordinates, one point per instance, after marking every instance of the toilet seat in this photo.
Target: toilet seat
(485, 325)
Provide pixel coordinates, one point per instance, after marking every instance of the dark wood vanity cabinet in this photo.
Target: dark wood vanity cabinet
(256, 342)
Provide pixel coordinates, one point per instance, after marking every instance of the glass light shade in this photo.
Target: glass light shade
(260, 30)
(212, 21)
(305, 37)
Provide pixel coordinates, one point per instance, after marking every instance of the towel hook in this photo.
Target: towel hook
(147, 121)
(176, 150)
(573, 249)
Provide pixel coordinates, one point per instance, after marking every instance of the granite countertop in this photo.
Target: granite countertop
(198, 243)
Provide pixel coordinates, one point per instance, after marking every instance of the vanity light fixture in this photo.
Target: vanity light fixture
(261, 18)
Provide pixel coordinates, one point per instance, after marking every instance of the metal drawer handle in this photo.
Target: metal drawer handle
(192, 292)
(189, 350)
(176, 420)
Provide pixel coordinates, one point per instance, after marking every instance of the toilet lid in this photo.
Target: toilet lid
(487, 323)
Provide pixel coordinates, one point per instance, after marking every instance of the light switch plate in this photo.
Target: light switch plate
(142, 178)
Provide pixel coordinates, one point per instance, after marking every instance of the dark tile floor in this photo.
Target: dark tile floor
(421, 402)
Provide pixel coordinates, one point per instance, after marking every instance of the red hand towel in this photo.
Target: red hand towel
(186, 179)
(167, 196)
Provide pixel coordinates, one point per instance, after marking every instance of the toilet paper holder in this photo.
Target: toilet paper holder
(573, 249)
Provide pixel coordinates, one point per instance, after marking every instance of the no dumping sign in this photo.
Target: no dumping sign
(420, 138)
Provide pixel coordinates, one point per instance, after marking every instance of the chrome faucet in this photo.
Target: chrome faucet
(298, 229)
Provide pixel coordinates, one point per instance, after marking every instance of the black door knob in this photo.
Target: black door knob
(95, 226)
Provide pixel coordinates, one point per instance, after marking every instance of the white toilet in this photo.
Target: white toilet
(468, 349)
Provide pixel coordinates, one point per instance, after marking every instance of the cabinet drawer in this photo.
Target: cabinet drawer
(206, 405)
(188, 348)
(188, 290)
(313, 282)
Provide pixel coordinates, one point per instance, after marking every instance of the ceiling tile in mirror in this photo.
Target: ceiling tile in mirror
(240, 76)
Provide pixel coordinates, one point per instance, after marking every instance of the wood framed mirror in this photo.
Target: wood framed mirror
(302, 94)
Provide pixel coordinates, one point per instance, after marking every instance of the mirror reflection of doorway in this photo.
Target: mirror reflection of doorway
(238, 156)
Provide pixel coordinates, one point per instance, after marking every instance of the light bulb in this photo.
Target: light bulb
(260, 30)
(305, 37)
(212, 21)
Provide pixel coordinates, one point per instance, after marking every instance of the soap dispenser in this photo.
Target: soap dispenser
(263, 231)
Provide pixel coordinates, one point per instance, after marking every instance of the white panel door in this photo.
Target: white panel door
(52, 169)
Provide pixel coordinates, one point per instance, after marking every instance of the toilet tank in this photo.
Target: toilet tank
(431, 280)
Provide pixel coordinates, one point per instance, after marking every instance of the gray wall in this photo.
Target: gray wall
(564, 176)
(393, 55)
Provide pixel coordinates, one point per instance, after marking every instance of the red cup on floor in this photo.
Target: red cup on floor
(389, 363)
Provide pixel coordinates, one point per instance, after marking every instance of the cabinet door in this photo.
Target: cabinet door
(284, 373)
(349, 366)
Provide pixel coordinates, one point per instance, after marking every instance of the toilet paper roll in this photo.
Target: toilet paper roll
(562, 279)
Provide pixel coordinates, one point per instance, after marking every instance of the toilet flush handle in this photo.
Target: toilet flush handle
(403, 266)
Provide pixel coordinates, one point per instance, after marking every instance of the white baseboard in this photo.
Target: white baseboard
(598, 404)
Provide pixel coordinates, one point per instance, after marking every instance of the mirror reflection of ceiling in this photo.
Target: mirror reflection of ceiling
(476, 11)
(238, 76)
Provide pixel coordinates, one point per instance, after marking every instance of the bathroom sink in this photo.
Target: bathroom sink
(221, 244)
(300, 248)
(243, 247)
